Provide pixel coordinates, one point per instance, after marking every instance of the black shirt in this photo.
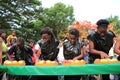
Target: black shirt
(49, 50)
(102, 43)
(25, 53)
(71, 51)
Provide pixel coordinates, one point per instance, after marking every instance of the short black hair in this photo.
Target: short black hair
(21, 40)
(75, 32)
(31, 40)
(103, 23)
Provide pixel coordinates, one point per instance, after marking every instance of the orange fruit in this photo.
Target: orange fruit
(54, 63)
(82, 62)
(40, 63)
(14, 63)
(103, 61)
(97, 61)
(21, 63)
(7, 63)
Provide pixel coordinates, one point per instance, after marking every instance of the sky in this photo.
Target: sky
(90, 10)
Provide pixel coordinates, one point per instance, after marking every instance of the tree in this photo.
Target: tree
(20, 15)
(15, 12)
(115, 23)
(58, 17)
(84, 27)
(28, 17)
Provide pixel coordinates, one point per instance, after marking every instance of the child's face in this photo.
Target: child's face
(102, 31)
(72, 38)
(14, 33)
(13, 41)
(3, 35)
(31, 44)
(46, 37)
(20, 44)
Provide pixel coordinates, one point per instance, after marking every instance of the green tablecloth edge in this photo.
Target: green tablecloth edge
(63, 70)
(3, 68)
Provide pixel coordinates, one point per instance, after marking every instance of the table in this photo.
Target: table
(63, 70)
(3, 68)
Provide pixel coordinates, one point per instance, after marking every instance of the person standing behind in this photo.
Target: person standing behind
(73, 50)
(4, 46)
(12, 42)
(31, 43)
(48, 47)
(3, 49)
(11, 36)
(0, 54)
(116, 50)
(117, 47)
(0, 50)
(86, 49)
(101, 42)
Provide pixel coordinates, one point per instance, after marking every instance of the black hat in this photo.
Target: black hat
(103, 23)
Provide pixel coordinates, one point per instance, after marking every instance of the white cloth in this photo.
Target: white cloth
(60, 56)
(37, 47)
(4, 77)
(111, 51)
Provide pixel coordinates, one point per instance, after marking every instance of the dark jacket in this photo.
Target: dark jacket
(49, 50)
(25, 53)
(102, 43)
(71, 51)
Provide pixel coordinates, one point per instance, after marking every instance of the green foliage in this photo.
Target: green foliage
(15, 12)
(115, 20)
(3, 24)
(28, 17)
(58, 17)
(35, 2)
(118, 31)
(19, 15)
(28, 33)
(37, 24)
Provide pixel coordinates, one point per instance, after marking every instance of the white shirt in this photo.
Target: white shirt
(37, 47)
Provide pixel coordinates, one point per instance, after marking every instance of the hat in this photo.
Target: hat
(103, 23)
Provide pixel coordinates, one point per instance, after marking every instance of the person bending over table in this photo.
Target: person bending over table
(21, 52)
(101, 42)
(48, 47)
(73, 50)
